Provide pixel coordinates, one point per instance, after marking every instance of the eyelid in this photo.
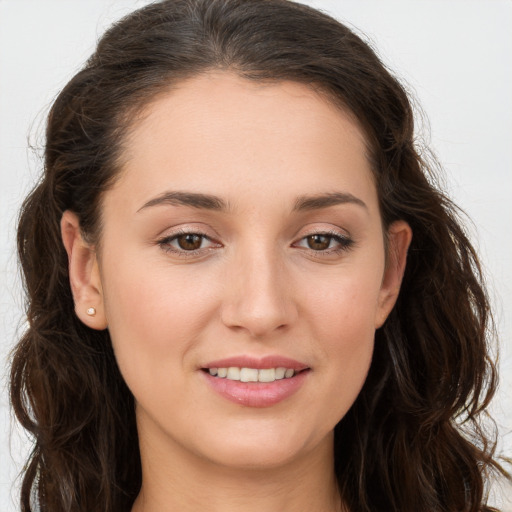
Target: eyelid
(346, 242)
(164, 242)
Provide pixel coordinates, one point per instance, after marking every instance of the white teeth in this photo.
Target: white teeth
(233, 373)
(267, 375)
(252, 374)
(248, 375)
(280, 373)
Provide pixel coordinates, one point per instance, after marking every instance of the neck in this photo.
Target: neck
(174, 479)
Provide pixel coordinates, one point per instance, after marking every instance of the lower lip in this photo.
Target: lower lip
(256, 394)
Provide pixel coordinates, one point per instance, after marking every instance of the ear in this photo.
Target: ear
(399, 237)
(84, 275)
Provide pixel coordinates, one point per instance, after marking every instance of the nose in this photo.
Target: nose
(258, 295)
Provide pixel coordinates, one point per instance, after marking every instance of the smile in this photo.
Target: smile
(252, 374)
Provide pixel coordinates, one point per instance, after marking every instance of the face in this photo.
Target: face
(243, 237)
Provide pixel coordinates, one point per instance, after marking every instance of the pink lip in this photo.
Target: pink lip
(257, 394)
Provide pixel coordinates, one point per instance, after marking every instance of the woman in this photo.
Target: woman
(244, 289)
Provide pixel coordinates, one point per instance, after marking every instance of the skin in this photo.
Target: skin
(255, 287)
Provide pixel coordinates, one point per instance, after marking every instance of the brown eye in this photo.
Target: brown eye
(189, 241)
(318, 242)
(188, 244)
(325, 244)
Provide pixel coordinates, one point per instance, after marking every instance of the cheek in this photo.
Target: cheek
(344, 307)
(343, 317)
(155, 317)
(349, 335)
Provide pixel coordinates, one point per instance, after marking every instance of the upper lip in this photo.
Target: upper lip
(260, 363)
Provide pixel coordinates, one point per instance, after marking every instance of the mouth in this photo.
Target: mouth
(256, 382)
(246, 374)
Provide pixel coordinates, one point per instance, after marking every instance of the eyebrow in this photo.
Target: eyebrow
(316, 202)
(215, 203)
(193, 199)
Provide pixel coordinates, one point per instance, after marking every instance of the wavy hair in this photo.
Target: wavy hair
(413, 440)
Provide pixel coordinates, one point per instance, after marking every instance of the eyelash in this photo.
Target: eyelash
(165, 242)
(345, 243)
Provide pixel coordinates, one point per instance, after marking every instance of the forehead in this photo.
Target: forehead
(220, 97)
(218, 132)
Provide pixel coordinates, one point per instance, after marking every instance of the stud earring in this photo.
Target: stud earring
(91, 311)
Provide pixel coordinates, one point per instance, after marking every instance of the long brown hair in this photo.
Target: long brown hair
(412, 440)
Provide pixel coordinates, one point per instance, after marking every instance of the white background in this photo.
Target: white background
(454, 55)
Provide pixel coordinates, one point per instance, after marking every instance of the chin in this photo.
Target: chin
(251, 457)
(264, 448)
